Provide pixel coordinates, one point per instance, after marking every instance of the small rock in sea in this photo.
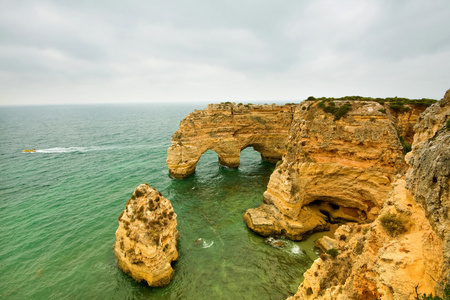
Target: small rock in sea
(198, 241)
(274, 243)
(278, 244)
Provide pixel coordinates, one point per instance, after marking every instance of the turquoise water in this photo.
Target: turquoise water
(59, 209)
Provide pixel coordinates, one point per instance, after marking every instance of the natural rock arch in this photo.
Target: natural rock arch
(227, 129)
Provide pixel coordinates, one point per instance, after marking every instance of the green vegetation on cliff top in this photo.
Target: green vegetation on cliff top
(423, 101)
(395, 103)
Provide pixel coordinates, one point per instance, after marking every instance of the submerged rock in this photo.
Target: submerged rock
(274, 242)
(146, 239)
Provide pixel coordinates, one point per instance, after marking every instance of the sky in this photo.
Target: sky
(78, 52)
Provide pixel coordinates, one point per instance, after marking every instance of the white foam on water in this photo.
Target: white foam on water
(295, 249)
(75, 149)
(61, 150)
(207, 244)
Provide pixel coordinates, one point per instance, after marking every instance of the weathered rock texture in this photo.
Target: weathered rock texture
(147, 237)
(429, 175)
(372, 263)
(406, 120)
(333, 171)
(227, 129)
(388, 260)
(342, 169)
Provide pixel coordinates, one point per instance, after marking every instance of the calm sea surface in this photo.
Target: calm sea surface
(59, 208)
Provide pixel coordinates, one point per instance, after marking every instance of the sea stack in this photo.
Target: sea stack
(146, 240)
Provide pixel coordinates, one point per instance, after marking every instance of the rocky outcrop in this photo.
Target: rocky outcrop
(333, 171)
(429, 175)
(147, 237)
(405, 252)
(343, 162)
(227, 129)
(379, 260)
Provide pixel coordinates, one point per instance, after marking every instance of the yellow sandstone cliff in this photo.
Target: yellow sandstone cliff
(405, 252)
(227, 129)
(333, 171)
(147, 236)
(347, 168)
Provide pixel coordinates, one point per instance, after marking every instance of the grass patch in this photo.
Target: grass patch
(393, 224)
(333, 252)
(330, 107)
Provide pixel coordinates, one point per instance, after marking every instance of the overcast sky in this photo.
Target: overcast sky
(211, 51)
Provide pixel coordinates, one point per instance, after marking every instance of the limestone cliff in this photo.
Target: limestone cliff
(342, 162)
(407, 246)
(227, 129)
(429, 175)
(146, 238)
(378, 261)
(333, 171)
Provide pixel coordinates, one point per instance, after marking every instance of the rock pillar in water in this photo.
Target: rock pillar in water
(146, 240)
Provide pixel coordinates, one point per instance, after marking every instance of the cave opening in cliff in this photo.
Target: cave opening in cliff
(336, 213)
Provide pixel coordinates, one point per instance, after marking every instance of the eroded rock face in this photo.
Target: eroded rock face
(388, 260)
(429, 175)
(333, 171)
(147, 237)
(227, 129)
(375, 263)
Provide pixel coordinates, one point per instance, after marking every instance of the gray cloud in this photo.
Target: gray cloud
(111, 51)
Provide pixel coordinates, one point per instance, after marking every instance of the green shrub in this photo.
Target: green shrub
(447, 124)
(398, 107)
(406, 146)
(382, 110)
(333, 252)
(331, 108)
(321, 104)
(342, 111)
(393, 224)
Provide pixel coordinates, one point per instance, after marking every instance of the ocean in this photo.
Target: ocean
(59, 208)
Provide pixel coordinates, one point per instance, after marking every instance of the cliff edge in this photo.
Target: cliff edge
(335, 170)
(404, 252)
